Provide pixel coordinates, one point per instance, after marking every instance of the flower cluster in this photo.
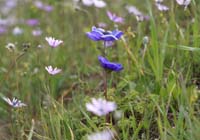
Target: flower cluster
(102, 107)
(53, 43)
(42, 6)
(99, 34)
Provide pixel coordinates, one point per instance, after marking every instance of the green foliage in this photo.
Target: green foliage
(157, 93)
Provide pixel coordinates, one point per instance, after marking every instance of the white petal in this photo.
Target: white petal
(99, 3)
(87, 2)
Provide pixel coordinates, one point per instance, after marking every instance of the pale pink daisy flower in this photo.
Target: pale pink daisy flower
(113, 17)
(183, 2)
(100, 106)
(52, 71)
(161, 7)
(14, 102)
(53, 42)
(139, 15)
(103, 135)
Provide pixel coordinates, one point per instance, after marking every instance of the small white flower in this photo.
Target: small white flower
(100, 106)
(10, 47)
(103, 135)
(14, 102)
(96, 3)
(52, 70)
(53, 42)
(37, 32)
(17, 31)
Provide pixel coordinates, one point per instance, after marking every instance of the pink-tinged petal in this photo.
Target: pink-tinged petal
(100, 107)
(104, 135)
(53, 42)
(99, 3)
(110, 15)
(161, 7)
(87, 2)
(52, 71)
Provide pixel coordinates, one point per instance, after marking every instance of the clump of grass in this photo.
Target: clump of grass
(157, 93)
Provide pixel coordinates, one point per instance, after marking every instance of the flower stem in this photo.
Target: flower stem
(105, 84)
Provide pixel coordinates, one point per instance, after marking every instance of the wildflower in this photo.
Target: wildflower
(183, 2)
(103, 135)
(42, 6)
(10, 47)
(102, 25)
(110, 65)
(53, 71)
(113, 17)
(3, 22)
(145, 40)
(38, 4)
(96, 3)
(53, 42)
(139, 15)
(17, 31)
(10, 4)
(32, 22)
(14, 102)
(98, 34)
(3, 29)
(99, 3)
(161, 7)
(108, 43)
(101, 107)
(36, 32)
(48, 8)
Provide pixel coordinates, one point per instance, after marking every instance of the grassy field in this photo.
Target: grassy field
(156, 93)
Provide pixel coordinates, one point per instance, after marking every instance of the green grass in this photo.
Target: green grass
(158, 94)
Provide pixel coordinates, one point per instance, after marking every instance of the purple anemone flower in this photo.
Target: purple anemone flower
(99, 34)
(3, 29)
(110, 65)
(32, 22)
(48, 8)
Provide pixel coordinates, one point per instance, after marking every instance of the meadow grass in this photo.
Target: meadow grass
(157, 92)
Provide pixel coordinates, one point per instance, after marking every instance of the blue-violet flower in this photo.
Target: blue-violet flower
(110, 65)
(99, 34)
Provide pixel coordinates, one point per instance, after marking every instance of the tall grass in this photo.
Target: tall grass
(157, 93)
